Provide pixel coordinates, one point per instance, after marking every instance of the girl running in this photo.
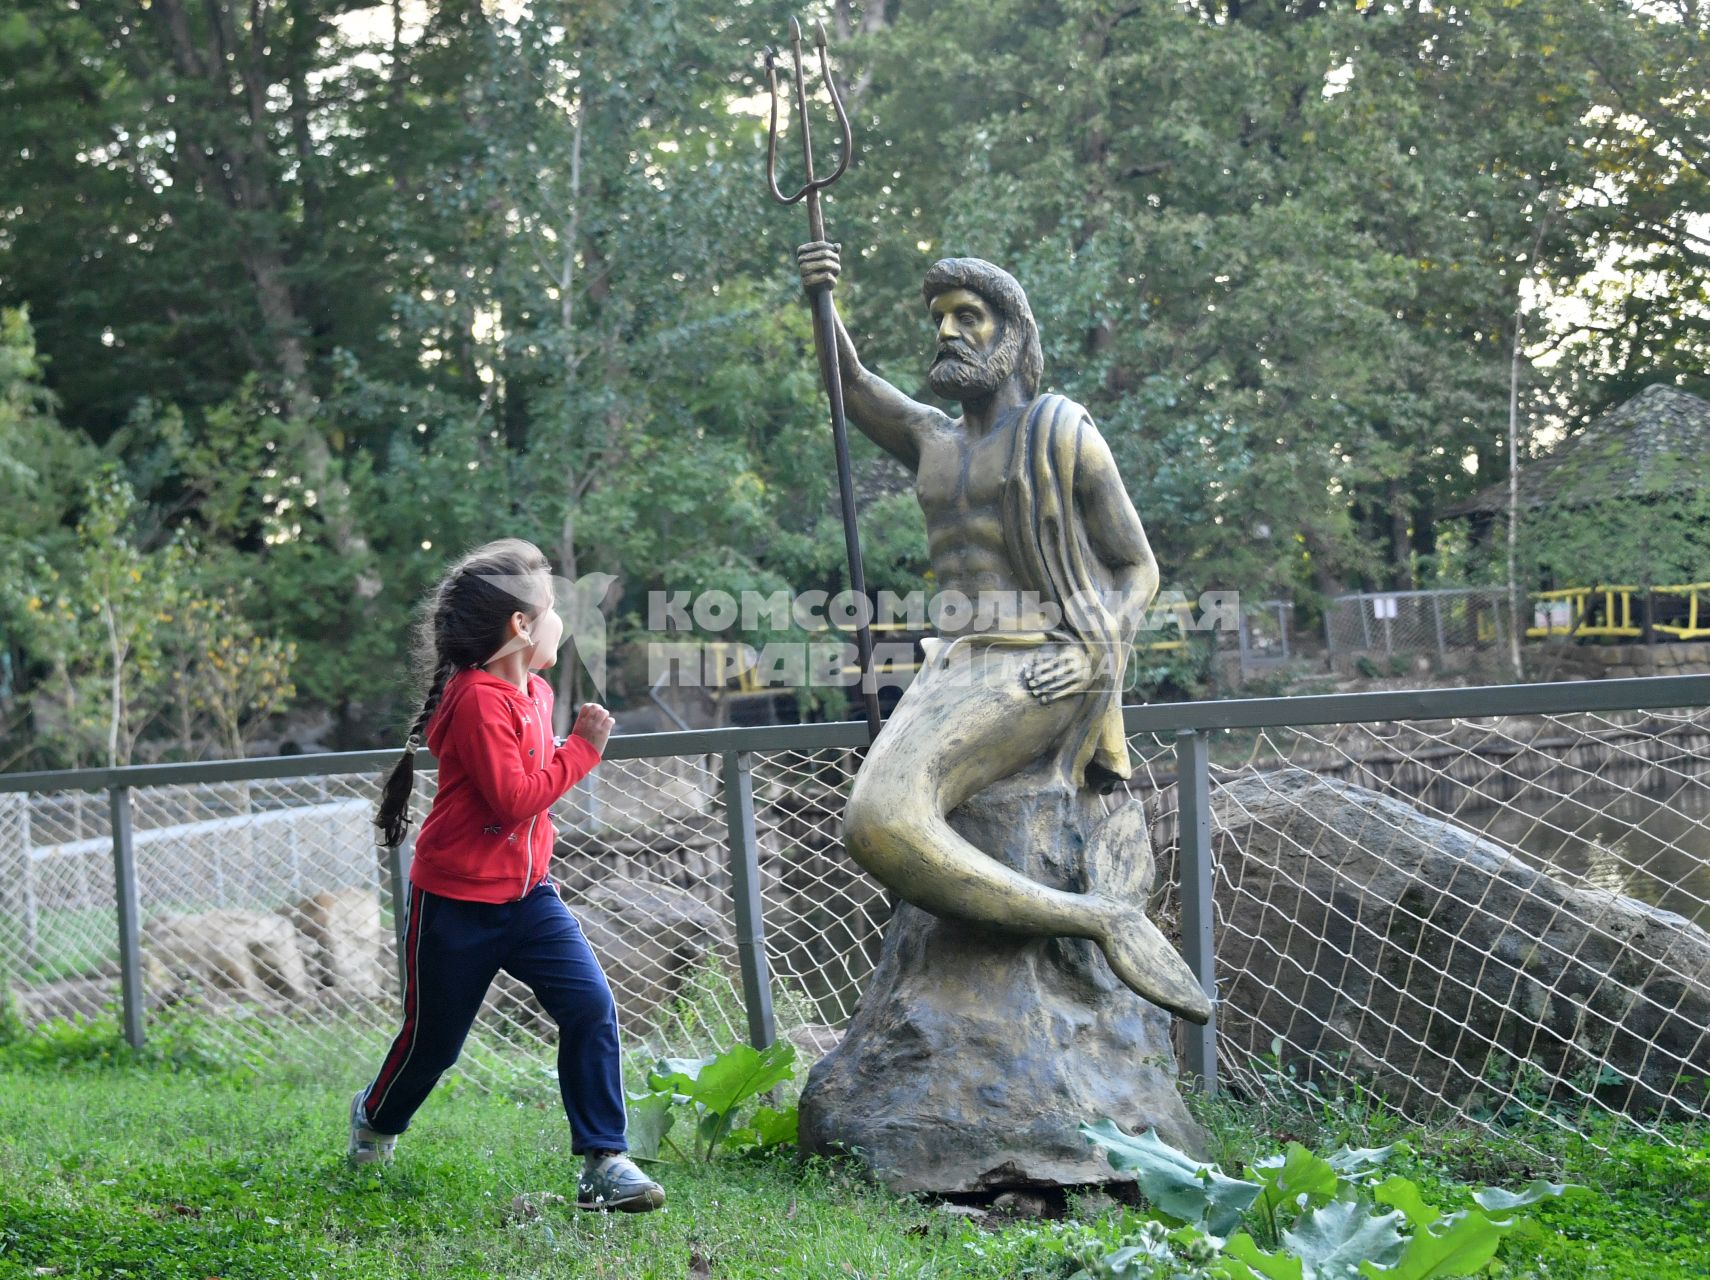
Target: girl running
(481, 898)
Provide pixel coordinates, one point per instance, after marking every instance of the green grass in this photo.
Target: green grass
(168, 1166)
(72, 942)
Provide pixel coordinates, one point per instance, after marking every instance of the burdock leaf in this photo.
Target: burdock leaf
(724, 1082)
(650, 1118)
(1336, 1238)
(1404, 1194)
(1296, 1179)
(1499, 1201)
(1179, 1186)
(1272, 1266)
(1354, 1163)
(1458, 1245)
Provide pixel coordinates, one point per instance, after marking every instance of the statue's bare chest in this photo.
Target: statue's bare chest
(959, 477)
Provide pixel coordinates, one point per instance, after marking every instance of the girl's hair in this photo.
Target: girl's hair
(460, 625)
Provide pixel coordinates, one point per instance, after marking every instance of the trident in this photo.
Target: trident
(825, 327)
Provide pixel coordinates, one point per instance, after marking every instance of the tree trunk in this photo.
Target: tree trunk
(873, 18)
(1516, 353)
(116, 711)
(1400, 536)
(233, 158)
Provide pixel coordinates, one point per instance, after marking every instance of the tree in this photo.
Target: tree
(227, 675)
(91, 621)
(1275, 249)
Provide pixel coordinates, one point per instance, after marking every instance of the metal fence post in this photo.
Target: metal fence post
(16, 897)
(745, 893)
(130, 915)
(1193, 799)
(32, 905)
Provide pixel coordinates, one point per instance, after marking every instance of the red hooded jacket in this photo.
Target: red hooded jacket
(488, 835)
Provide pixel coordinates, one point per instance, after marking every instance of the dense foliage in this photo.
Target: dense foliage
(333, 291)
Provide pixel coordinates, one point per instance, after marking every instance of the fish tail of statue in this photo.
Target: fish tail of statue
(893, 840)
(1140, 955)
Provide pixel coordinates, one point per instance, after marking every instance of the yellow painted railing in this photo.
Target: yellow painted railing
(747, 681)
(1608, 610)
(1582, 615)
(1184, 621)
(1690, 630)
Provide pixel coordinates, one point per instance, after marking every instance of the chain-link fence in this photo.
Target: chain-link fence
(1464, 627)
(265, 909)
(1482, 916)
(1480, 902)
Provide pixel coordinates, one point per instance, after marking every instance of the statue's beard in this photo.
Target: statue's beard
(962, 374)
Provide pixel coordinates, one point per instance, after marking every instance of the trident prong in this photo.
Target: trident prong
(812, 185)
(825, 327)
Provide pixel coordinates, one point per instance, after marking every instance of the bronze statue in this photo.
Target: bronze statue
(1025, 513)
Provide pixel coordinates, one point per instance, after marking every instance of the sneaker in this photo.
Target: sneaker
(611, 1181)
(366, 1146)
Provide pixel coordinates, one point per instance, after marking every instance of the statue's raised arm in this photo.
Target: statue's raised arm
(895, 422)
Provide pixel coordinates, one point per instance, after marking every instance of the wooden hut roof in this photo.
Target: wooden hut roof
(1656, 443)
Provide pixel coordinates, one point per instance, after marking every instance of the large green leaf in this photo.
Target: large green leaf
(1334, 1239)
(1271, 1266)
(1499, 1201)
(650, 1118)
(1294, 1179)
(1404, 1194)
(668, 1071)
(1356, 1163)
(1177, 1185)
(723, 1083)
(1456, 1246)
(768, 1128)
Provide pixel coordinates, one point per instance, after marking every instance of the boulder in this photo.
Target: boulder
(343, 940)
(812, 1041)
(254, 955)
(1374, 940)
(975, 1056)
(650, 937)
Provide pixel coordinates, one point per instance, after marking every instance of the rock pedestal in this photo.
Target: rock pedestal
(975, 1055)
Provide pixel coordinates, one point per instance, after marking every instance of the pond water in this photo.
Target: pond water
(1651, 847)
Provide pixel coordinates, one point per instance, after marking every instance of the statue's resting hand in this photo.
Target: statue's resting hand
(1063, 673)
(820, 263)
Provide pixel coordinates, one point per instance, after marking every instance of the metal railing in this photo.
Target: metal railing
(1354, 877)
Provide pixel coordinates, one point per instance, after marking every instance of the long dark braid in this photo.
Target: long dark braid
(462, 625)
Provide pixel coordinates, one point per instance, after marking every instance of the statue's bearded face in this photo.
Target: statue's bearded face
(977, 351)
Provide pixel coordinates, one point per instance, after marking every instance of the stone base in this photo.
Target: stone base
(974, 1055)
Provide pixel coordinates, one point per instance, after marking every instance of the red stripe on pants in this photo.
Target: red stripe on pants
(405, 1044)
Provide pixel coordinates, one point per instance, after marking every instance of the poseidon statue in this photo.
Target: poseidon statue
(1025, 514)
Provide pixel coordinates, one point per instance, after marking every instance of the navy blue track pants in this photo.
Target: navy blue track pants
(453, 950)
